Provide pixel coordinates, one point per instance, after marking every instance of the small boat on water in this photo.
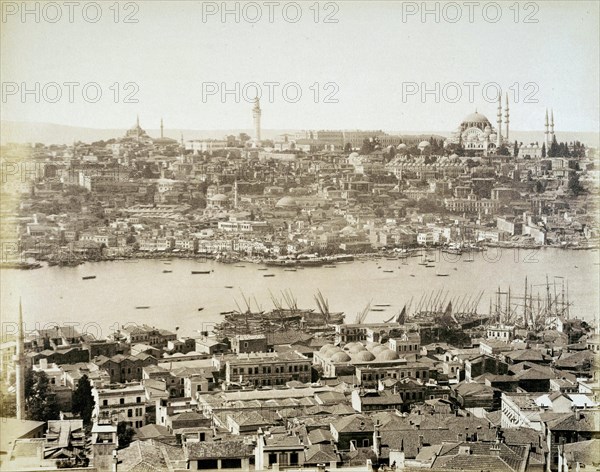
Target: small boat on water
(262, 268)
(201, 272)
(228, 286)
(412, 275)
(226, 313)
(289, 270)
(268, 275)
(167, 263)
(442, 275)
(167, 271)
(201, 308)
(240, 266)
(142, 307)
(428, 266)
(382, 304)
(88, 277)
(331, 266)
(377, 309)
(388, 271)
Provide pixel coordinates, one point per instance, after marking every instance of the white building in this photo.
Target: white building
(124, 402)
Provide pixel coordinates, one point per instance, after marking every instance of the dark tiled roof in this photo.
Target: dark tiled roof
(321, 453)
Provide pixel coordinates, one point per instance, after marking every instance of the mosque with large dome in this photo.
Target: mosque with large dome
(477, 135)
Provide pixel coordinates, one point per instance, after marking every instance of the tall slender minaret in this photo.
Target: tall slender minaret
(20, 366)
(161, 129)
(256, 115)
(546, 133)
(551, 126)
(506, 118)
(499, 122)
(137, 127)
(235, 194)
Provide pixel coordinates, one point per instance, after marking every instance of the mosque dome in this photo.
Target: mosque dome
(340, 356)
(363, 356)
(370, 345)
(286, 202)
(401, 146)
(377, 349)
(424, 144)
(219, 197)
(330, 351)
(387, 355)
(325, 347)
(477, 118)
(351, 345)
(357, 348)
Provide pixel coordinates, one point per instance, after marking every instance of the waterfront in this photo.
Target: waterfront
(55, 295)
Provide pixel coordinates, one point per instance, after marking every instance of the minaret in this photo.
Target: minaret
(499, 123)
(506, 118)
(256, 115)
(20, 366)
(551, 126)
(161, 129)
(235, 194)
(546, 133)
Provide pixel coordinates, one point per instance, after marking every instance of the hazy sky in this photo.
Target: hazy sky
(374, 52)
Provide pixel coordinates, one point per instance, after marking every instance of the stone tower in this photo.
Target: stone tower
(256, 112)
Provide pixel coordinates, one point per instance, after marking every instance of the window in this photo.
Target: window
(365, 443)
(104, 402)
(121, 401)
(138, 399)
(129, 413)
(245, 344)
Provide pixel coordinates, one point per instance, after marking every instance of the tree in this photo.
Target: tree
(39, 399)
(544, 150)
(503, 150)
(554, 150)
(125, 434)
(367, 147)
(574, 185)
(348, 147)
(83, 401)
(516, 149)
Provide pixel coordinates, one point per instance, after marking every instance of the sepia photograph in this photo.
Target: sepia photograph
(300, 236)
